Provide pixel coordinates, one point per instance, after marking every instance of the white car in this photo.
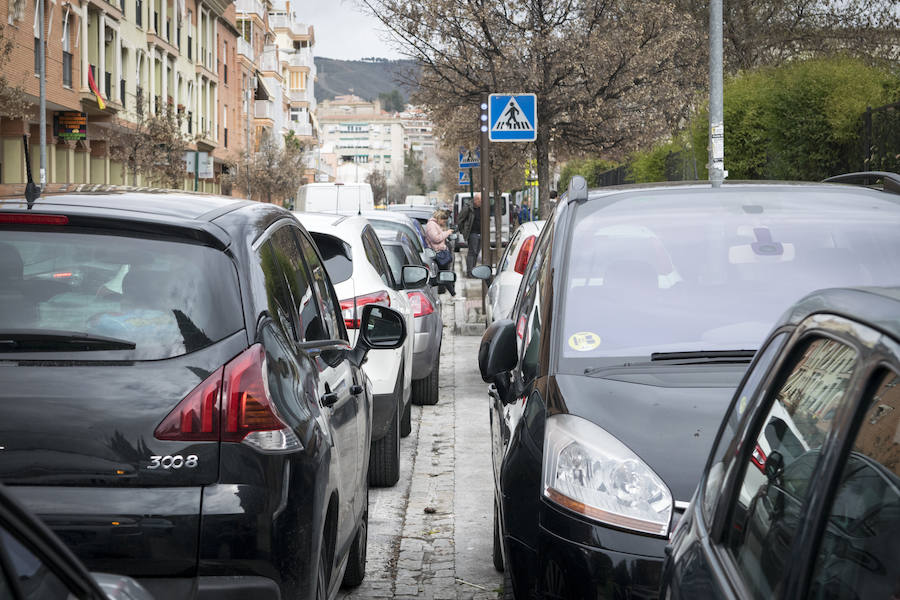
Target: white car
(505, 284)
(361, 275)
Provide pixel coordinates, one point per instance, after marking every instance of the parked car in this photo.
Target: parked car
(801, 493)
(388, 222)
(362, 275)
(638, 314)
(185, 406)
(419, 212)
(36, 565)
(429, 324)
(504, 285)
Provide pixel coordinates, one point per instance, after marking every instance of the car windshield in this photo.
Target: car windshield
(391, 227)
(76, 292)
(678, 271)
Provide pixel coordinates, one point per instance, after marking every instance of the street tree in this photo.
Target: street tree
(378, 182)
(609, 76)
(13, 103)
(273, 172)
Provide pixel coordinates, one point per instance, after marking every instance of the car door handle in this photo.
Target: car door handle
(329, 399)
(356, 390)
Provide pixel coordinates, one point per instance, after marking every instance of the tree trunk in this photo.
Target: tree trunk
(542, 148)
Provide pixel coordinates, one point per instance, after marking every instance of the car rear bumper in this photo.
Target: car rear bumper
(427, 344)
(384, 406)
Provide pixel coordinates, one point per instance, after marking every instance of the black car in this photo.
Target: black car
(801, 494)
(36, 565)
(636, 318)
(178, 398)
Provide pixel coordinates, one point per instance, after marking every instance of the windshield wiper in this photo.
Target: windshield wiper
(696, 357)
(36, 340)
(727, 356)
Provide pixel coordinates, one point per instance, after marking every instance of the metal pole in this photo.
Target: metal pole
(43, 95)
(485, 188)
(717, 172)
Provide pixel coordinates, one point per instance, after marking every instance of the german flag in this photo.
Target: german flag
(93, 86)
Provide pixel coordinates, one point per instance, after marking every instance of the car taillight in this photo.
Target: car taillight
(524, 254)
(759, 458)
(420, 304)
(32, 219)
(196, 418)
(245, 413)
(351, 307)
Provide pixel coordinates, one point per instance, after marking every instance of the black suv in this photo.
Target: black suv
(178, 398)
(801, 493)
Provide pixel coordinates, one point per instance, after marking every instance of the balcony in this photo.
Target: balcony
(264, 109)
(250, 7)
(294, 28)
(301, 129)
(299, 95)
(268, 61)
(299, 58)
(244, 47)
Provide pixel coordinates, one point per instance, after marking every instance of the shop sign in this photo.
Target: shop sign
(70, 125)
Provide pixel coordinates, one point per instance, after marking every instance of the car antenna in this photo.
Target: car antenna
(32, 191)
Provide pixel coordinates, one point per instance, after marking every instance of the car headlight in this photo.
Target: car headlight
(590, 472)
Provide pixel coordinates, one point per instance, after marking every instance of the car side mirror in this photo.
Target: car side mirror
(774, 465)
(483, 272)
(380, 328)
(414, 277)
(497, 353)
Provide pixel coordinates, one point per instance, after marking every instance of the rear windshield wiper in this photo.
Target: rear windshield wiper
(37, 340)
(697, 357)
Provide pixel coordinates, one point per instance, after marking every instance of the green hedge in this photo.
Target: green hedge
(589, 168)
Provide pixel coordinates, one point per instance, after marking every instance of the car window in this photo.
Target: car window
(773, 488)
(396, 258)
(723, 453)
(528, 317)
(35, 578)
(337, 255)
(713, 273)
(393, 227)
(303, 308)
(166, 297)
(504, 260)
(375, 256)
(328, 304)
(860, 547)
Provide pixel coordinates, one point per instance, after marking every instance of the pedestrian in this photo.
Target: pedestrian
(524, 212)
(436, 234)
(469, 222)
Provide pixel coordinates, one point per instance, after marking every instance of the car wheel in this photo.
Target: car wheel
(497, 553)
(356, 562)
(406, 421)
(425, 390)
(384, 461)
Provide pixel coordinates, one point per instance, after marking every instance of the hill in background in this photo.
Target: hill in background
(366, 78)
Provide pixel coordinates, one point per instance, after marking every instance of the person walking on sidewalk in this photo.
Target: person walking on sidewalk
(436, 234)
(470, 227)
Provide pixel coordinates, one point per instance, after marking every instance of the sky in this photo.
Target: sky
(344, 31)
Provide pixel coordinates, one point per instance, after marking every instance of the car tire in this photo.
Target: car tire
(497, 553)
(425, 390)
(384, 460)
(406, 421)
(356, 561)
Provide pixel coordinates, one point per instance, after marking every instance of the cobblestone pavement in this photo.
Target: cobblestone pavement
(430, 534)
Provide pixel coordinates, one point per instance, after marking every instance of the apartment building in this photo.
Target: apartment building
(152, 53)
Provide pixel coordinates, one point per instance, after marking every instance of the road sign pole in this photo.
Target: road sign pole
(471, 183)
(485, 186)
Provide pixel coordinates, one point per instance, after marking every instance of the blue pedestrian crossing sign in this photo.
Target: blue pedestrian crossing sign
(512, 117)
(469, 159)
(464, 178)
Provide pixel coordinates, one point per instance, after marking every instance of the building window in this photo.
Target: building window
(190, 48)
(37, 56)
(67, 69)
(139, 12)
(225, 130)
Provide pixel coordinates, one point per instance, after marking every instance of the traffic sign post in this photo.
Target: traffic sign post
(465, 177)
(469, 159)
(512, 117)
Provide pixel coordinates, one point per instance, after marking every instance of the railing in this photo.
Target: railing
(244, 47)
(250, 7)
(267, 62)
(299, 128)
(299, 58)
(264, 109)
(298, 95)
(881, 138)
(285, 22)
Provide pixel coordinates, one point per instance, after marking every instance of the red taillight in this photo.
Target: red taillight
(33, 219)
(351, 307)
(245, 405)
(524, 254)
(196, 418)
(63, 275)
(420, 304)
(759, 458)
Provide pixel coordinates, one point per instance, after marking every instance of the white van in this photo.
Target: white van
(458, 200)
(335, 197)
(416, 200)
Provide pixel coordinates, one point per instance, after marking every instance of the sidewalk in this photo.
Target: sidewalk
(469, 309)
(430, 535)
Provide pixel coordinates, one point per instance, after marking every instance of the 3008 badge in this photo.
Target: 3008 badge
(176, 461)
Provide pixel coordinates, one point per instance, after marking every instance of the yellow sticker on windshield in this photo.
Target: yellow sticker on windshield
(584, 341)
